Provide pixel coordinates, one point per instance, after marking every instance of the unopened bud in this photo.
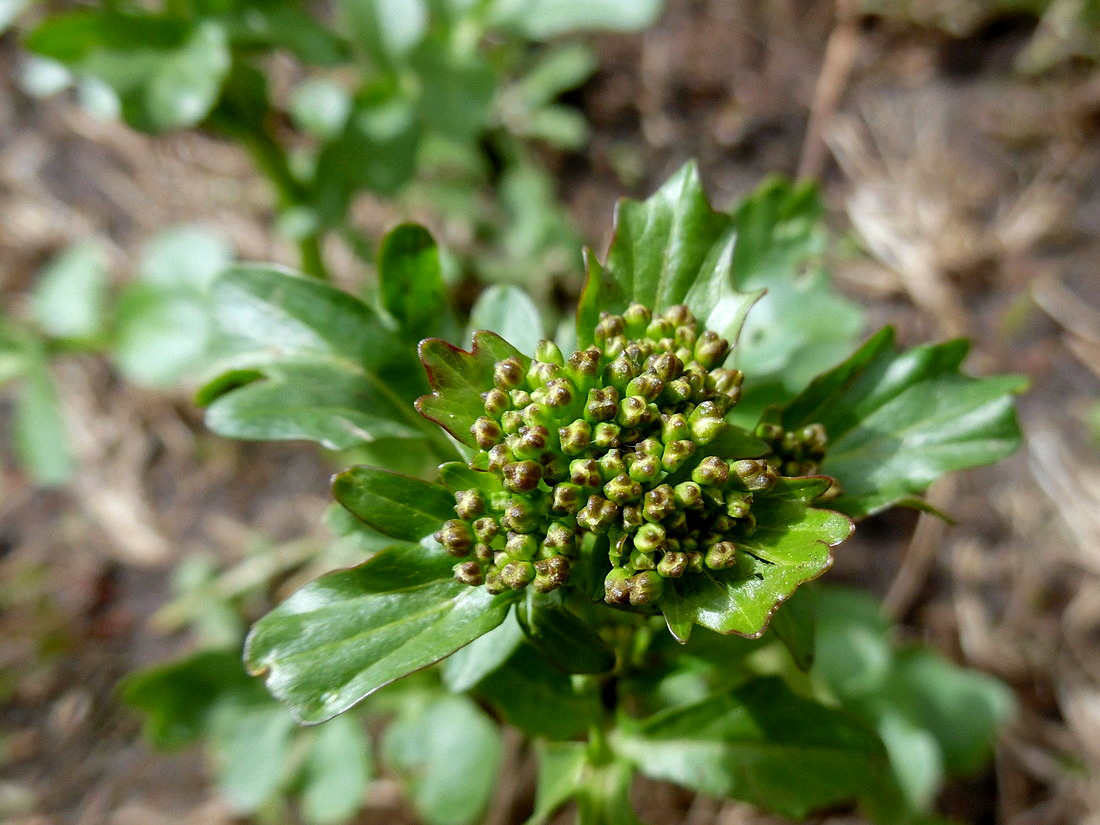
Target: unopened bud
(712, 471)
(616, 586)
(559, 393)
(678, 391)
(688, 495)
(755, 474)
(676, 453)
(632, 411)
(521, 476)
(641, 561)
(520, 516)
(548, 352)
(623, 489)
(469, 504)
(645, 587)
(606, 435)
(667, 366)
(518, 574)
(508, 374)
(469, 572)
(583, 367)
(721, 555)
(609, 326)
(532, 442)
(499, 456)
(620, 372)
(511, 421)
(659, 503)
(486, 529)
(567, 498)
(672, 565)
(521, 546)
(560, 539)
(647, 385)
(496, 402)
(486, 432)
(645, 468)
(706, 423)
(585, 472)
(659, 328)
(674, 428)
(597, 515)
(611, 464)
(738, 505)
(541, 373)
(456, 538)
(551, 573)
(632, 517)
(711, 349)
(483, 552)
(519, 398)
(637, 318)
(576, 437)
(650, 538)
(602, 404)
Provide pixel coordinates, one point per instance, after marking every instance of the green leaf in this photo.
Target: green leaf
(386, 29)
(177, 698)
(790, 545)
(796, 626)
(561, 777)
(509, 312)
(337, 772)
(332, 372)
(762, 744)
(69, 295)
(399, 506)
(38, 430)
(449, 753)
(184, 256)
(898, 421)
(537, 698)
(456, 90)
(251, 748)
(801, 326)
(561, 637)
(185, 84)
(545, 19)
(459, 378)
(320, 107)
(161, 334)
(411, 282)
(9, 10)
(351, 632)
(670, 249)
(852, 651)
(482, 656)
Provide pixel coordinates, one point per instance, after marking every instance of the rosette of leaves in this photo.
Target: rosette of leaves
(569, 497)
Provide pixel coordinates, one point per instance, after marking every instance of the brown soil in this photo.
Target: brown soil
(974, 191)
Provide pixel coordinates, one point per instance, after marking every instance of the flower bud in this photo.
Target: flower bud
(517, 574)
(622, 489)
(583, 367)
(712, 471)
(554, 468)
(469, 504)
(641, 561)
(519, 398)
(721, 555)
(632, 517)
(620, 372)
(676, 453)
(486, 529)
(666, 366)
(520, 516)
(511, 421)
(486, 432)
(711, 349)
(540, 373)
(576, 437)
(727, 380)
(469, 572)
(597, 515)
(738, 504)
(650, 538)
(767, 431)
(674, 428)
(647, 385)
(496, 402)
(611, 464)
(560, 539)
(567, 498)
(632, 411)
(548, 352)
(685, 337)
(677, 391)
(602, 404)
(609, 326)
(672, 565)
(456, 538)
(637, 318)
(688, 495)
(521, 476)
(659, 503)
(559, 393)
(499, 456)
(706, 422)
(616, 586)
(508, 374)
(585, 472)
(551, 573)
(521, 546)
(483, 552)
(659, 328)
(531, 443)
(755, 474)
(645, 587)
(606, 436)
(494, 584)
(645, 468)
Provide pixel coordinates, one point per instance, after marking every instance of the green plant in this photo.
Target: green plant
(668, 462)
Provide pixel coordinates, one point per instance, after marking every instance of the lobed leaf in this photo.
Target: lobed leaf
(897, 421)
(350, 632)
(763, 744)
(790, 545)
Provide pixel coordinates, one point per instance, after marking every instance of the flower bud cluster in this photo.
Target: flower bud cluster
(793, 452)
(588, 444)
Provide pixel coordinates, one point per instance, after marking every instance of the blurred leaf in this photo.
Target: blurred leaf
(410, 278)
(386, 29)
(458, 378)
(184, 85)
(250, 744)
(177, 699)
(561, 777)
(285, 24)
(789, 545)
(346, 634)
(558, 69)
(561, 637)
(796, 626)
(544, 19)
(915, 758)
(337, 772)
(897, 421)
(449, 753)
(670, 249)
(852, 651)
(760, 744)
(39, 435)
(509, 312)
(557, 125)
(42, 77)
(9, 10)
(399, 506)
(469, 665)
(68, 297)
(184, 256)
(456, 90)
(320, 107)
(162, 334)
(537, 698)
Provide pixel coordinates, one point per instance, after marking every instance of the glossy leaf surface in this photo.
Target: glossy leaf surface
(763, 744)
(791, 544)
(350, 632)
(410, 278)
(669, 249)
(897, 421)
(397, 505)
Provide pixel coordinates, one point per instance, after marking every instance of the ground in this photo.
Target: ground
(973, 191)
